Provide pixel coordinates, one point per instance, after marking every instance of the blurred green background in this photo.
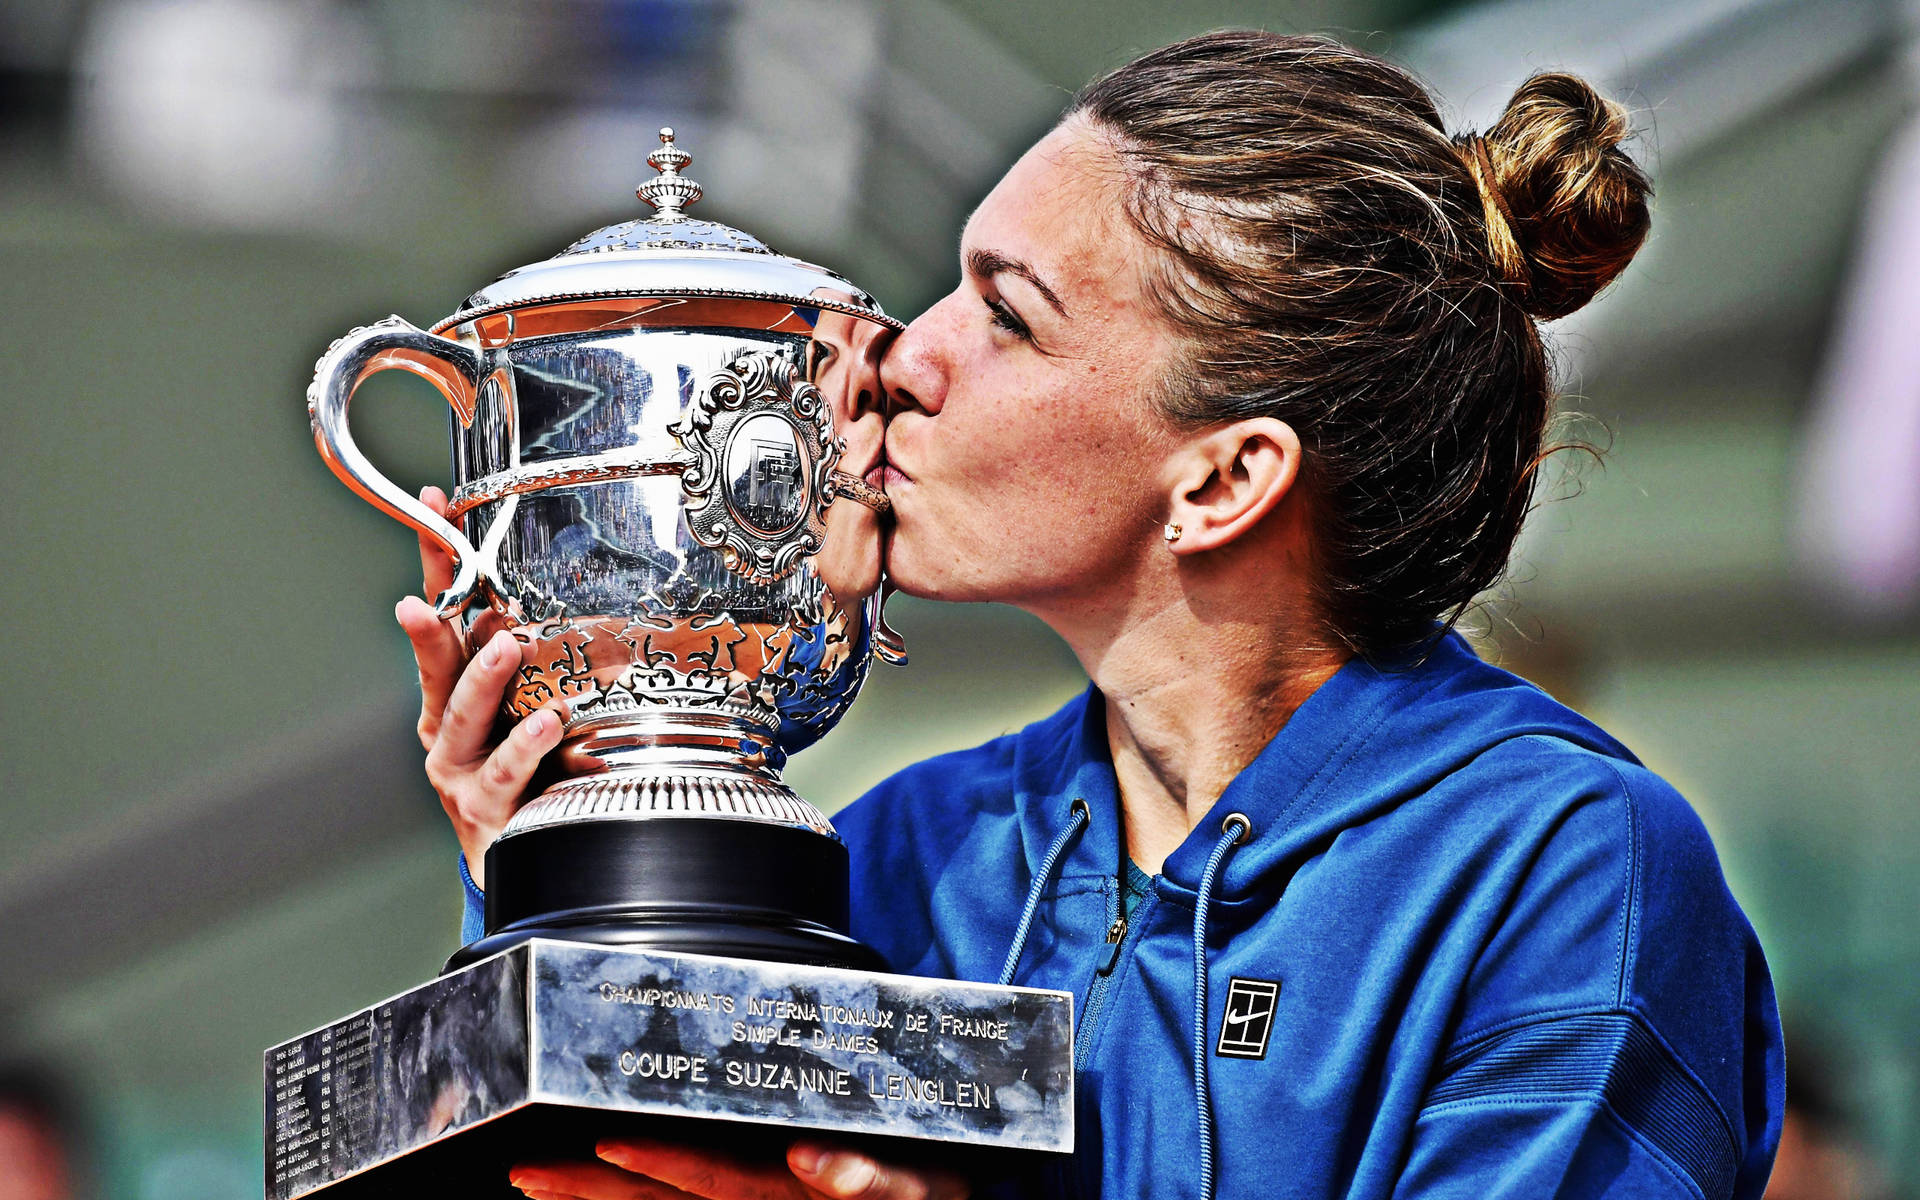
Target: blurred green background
(216, 831)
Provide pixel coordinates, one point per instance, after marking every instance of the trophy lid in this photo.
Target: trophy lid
(669, 254)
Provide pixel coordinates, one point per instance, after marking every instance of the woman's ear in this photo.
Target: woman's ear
(1226, 481)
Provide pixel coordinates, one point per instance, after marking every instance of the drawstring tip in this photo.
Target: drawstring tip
(1234, 830)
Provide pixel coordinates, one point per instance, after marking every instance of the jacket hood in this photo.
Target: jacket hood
(1368, 738)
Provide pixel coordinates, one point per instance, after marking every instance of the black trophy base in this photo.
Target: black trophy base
(535, 1054)
(684, 885)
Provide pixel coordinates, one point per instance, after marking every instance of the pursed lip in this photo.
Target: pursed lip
(886, 472)
(887, 477)
(888, 468)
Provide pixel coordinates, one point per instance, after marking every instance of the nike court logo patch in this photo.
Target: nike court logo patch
(1248, 1020)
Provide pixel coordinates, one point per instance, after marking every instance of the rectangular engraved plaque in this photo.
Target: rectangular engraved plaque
(536, 1051)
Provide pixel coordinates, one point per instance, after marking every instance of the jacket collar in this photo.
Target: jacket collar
(1370, 736)
(1060, 760)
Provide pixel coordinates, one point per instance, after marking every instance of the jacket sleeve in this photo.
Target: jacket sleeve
(473, 914)
(1575, 1105)
(1617, 1034)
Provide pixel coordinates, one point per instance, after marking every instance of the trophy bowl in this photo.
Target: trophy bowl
(661, 438)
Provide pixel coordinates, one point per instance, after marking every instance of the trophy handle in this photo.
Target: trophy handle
(888, 646)
(454, 369)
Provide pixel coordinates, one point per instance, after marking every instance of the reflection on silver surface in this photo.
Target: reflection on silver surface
(589, 393)
(644, 498)
(591, 1027)
(765, 489)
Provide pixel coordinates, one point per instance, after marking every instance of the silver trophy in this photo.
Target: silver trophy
(661, 443)
(650, 493)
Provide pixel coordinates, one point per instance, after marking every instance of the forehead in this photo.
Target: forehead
(1061, 209)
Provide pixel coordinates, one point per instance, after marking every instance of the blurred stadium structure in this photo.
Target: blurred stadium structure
(216, 829)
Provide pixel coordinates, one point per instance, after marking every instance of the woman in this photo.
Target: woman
(1241, 392)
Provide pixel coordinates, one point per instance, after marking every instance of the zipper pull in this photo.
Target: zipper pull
(1115, 932)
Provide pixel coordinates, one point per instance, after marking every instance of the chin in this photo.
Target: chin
(920, 574)
(904, 575)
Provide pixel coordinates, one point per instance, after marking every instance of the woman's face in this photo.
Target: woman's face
(1024, 459)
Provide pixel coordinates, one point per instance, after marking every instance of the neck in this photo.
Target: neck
(1192, 697)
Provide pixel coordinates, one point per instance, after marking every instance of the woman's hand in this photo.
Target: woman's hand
(632, 1169)
(480, 783)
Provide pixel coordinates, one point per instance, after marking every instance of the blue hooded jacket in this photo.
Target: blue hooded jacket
(1471, 948)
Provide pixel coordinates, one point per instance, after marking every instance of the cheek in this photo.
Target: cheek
(1041, 508)
(1089, 487)
(1089, 457)
(1036, 478)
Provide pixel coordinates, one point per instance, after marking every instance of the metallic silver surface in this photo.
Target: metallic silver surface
(669, 254)
(654, 234)
(455, 370)
(682, 793)
(435, 1091)
(669, 191)
(649, 434)
(763, 451)
(707, 273)
(860, 491)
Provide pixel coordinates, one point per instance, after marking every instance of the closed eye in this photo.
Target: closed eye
(1004, 318)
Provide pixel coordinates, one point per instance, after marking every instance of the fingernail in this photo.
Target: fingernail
(852, 1175)
(534, 1182)
(614, 1153)
(805, 1158)
(497, 648)
(540, 724)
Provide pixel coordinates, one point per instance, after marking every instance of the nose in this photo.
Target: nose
(866, 397)
(914, 372)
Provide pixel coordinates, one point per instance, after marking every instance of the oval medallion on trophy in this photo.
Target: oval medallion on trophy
(761, 445)
(765, 475)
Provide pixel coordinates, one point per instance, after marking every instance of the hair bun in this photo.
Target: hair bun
(1566, 207)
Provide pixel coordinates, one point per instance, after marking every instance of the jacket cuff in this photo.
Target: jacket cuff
(473, 918)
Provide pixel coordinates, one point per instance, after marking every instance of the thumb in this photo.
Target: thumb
(846, 1175)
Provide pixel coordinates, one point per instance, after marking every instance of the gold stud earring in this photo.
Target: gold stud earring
(1172, 533)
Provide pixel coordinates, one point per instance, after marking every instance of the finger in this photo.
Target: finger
(436, 565)
(589, 1181)
(466, 725)
(698, 1172)
(436, 651)
(510, 767)
(847, 1175)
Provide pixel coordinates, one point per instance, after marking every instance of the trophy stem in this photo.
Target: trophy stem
(673, 884)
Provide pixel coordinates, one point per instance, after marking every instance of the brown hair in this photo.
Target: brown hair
(1335, 260)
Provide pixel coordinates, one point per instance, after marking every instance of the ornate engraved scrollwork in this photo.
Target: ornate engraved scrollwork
(762, 452)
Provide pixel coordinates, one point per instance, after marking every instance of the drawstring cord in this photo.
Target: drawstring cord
(1233, 830)
(1082, 817)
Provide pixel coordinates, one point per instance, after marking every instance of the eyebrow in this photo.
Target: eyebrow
(988, 263)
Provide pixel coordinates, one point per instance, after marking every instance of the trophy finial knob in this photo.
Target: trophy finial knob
(669, 191)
